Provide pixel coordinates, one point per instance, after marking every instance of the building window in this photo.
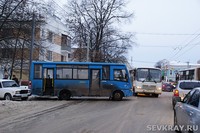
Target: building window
(69, 55)
(50, 36)
(49, 55)
(6, 52)
(62, 58)
(65, 42)
(170, 72)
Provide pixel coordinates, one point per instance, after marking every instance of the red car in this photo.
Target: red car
(167, 86)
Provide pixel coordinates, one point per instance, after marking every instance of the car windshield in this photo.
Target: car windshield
(189, 85)
(9, 84)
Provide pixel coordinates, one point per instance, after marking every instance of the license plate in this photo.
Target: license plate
(149, 91)
(24, 95)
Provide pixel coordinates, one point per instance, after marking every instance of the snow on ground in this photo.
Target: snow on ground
(16, 108)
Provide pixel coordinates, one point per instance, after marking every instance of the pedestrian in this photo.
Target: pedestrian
(16, 79)
(5, 77)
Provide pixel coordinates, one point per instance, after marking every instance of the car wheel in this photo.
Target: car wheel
(117, 96)
(7, 96)
(64, 95)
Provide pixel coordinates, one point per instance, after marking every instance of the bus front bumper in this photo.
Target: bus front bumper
(149, 91)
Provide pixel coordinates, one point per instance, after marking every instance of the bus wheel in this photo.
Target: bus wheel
(117, 96)
(155, 95)
(64, 95)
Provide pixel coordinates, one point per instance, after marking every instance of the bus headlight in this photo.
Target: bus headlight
(138, 87)
(159, 88)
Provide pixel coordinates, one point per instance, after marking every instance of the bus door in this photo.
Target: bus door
(48, 81)
(94, 82)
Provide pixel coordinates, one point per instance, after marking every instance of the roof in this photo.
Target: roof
(188, 81)
(191, 68)
(78, 63)
(175, 63)
(148, 67)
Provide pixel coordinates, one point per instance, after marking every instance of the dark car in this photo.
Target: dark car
(167, 86)
(187, 112)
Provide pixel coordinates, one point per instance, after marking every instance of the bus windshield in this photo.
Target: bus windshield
(148, 75)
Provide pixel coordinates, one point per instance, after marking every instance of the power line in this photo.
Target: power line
(196, 37)
(184, 46)
(59, 6)
(167, 34)
(152, 46)
(143, 61)
(188, 49)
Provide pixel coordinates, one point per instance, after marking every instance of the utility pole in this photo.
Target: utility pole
(88, 50)
(32, 43)
(188, 64)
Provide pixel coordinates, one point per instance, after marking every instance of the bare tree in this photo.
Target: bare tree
(7, 7)
(15, 34)
(161, 63)
(93, 24)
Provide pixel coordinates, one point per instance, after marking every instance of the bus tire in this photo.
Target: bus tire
(64, 95)
(155, 95)
(117, 96)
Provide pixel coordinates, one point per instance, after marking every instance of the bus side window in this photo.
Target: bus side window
(106, 73)
(120, 74)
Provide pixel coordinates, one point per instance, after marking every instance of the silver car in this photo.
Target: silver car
(182, 88)
(187, 112)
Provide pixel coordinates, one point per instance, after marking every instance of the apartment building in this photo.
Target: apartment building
(52, 43)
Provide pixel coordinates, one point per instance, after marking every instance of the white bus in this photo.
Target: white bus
(147, 80)
(190, 74)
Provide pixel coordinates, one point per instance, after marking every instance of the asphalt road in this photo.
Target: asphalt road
(140, 114)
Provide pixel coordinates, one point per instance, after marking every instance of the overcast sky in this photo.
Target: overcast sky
(165, 29)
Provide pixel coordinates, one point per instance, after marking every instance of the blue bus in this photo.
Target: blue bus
(68, 79)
